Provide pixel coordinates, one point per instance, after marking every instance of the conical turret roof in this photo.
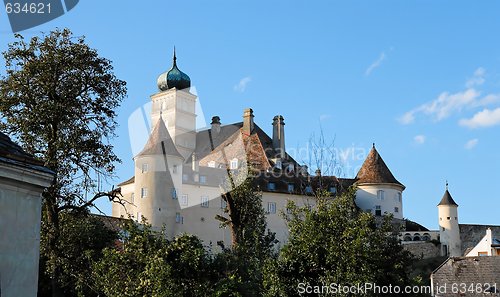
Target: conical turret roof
(160, 141)
(375, 171)
(447, 199)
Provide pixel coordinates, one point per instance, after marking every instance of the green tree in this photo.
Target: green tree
(252, 243)
(83, 237)
(147, 264)
(58, 100)
(336, 243)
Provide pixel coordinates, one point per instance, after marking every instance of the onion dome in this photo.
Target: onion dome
(174, 78)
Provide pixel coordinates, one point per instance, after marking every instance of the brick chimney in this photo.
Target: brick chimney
(279, 136)
(248, 124)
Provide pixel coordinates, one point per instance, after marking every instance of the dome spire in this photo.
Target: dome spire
(173, 78)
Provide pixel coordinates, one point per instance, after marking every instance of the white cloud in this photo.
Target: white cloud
(471, 143)
(375, 64)
(419, 139)
(447, 104)
(477, 79)
(242, 84)
(484, 118)
(324, 117)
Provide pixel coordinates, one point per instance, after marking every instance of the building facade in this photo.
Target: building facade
(181, 173)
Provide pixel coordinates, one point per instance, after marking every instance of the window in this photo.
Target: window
(482, 254)
(203, 179)
(184, 199)
(333, 190)
(204, 201)
(271, 207)
(185, 177)
(234, 164)
(132, 198)
(396, 209)
(290, 168)
(173, 191)
(139, 216)
(448, 218)
(399, 197)
(290, 188)
(177, 217)
(443, 228)
(145, 167)
(211, 164)
(174, 169)
(380, 195)
(223, 204)
(378, 210)
(271, 186)
(144, 192)
(369, 211)
(278, 164)
(309, 190)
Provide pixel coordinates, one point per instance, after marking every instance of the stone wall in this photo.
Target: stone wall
(422, 249)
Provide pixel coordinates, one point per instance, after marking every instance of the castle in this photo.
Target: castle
(180, 173)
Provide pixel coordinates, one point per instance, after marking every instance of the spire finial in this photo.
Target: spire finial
(446, 185)
(175, 57)
(373, 145)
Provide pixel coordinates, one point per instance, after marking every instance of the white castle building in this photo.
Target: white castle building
(178, 175)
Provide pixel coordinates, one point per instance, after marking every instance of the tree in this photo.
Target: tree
(336, 243)
(252, 242)
(147, 264)
(82, 239)
(58, 100)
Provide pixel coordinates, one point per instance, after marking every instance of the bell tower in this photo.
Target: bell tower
(449, 230)
(177, 106)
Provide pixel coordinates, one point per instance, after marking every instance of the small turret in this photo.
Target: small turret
(449, 230)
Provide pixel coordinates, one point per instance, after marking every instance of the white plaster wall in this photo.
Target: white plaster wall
(449, 229)
(483, 246)
(20, 216)
(366, 199)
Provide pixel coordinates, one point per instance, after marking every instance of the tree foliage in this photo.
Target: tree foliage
(58, 100)
(336, 243)
(147, 264)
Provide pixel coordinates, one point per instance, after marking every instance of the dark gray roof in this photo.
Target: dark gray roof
(13, 154)
(447, 199)
(468, 271)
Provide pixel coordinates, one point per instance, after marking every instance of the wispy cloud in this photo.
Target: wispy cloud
(484, 118)
(471, 144)
(324, 117)
(375, 64)
(447, 104)
(477, 79)
(419, 139)
(242, 84)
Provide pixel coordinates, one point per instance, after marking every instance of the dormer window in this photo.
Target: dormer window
(234, 164)
(278, 164)
(271, 186)
(309, 190)
(211, 164)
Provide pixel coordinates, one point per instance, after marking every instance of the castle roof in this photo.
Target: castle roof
(160, 142)
(174, 78)
(375, 171)
(447, 199)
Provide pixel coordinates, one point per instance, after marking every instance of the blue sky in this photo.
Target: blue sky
(421, 79)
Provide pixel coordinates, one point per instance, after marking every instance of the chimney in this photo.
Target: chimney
(279, 135)
(215, 125)
(248, 124)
